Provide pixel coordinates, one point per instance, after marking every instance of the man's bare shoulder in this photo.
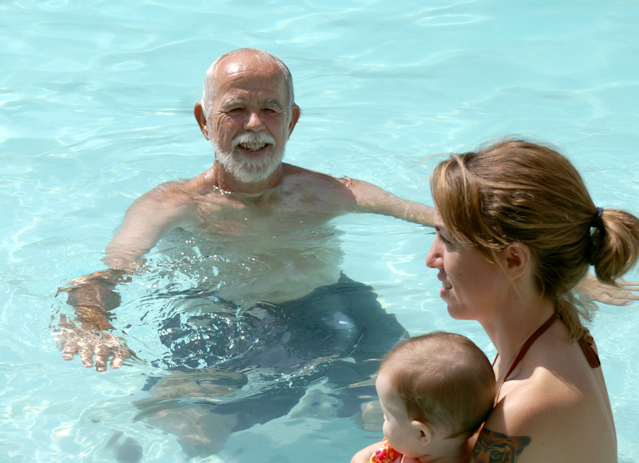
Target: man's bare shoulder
(295, 173)
(178, 191)
(183, 193)
(326, 191)
(298, 178)
(168, 203)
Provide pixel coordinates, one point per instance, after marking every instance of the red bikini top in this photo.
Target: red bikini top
(585, 342)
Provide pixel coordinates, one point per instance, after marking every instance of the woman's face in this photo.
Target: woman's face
(471, 286)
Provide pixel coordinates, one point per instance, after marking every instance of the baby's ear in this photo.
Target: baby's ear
(425, 432)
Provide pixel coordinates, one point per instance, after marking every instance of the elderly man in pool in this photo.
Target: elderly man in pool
(248, 114)
(293, 315)
(299, 317)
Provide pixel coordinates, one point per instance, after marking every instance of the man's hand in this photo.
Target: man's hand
(75, 340)
(592, 289)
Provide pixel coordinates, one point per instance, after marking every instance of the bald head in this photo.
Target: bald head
(237, 61)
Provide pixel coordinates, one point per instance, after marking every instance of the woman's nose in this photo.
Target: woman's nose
(434, 256)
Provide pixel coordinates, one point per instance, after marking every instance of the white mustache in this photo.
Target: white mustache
(258, 138)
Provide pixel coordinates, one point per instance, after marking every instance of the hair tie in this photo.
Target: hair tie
(596, 221)
(596, 238)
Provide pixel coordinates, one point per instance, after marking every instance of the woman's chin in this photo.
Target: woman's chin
(455, 311)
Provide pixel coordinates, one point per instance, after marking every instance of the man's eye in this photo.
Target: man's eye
(235, 110)
(270, 111)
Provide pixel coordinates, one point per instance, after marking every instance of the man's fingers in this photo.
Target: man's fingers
(629, 284)
(626, 295)
(86, 354)
(67, 341)
(117, 361)
(625, 291)
(621, 294)
(104, 350)
(69, 351)
(120, 352)
(101, 362)
(617, 299)
(606, 299)
(73, 340)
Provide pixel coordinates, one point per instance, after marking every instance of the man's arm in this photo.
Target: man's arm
(591, 289)
(145, 222)
(93, 296)
(371, 198)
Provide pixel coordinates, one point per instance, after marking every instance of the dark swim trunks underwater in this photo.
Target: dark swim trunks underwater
(338, 332)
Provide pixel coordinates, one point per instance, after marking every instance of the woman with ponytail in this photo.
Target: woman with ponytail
(516, 233)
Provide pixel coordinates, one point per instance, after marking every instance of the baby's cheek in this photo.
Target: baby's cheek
(388, 431)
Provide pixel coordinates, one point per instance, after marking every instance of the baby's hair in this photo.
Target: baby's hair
(444, 380)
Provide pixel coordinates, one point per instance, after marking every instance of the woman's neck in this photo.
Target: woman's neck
(514, 325)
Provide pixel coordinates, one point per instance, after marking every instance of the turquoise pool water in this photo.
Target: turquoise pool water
(96, 103)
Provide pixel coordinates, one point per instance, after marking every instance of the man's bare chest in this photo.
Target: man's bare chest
(283, 213)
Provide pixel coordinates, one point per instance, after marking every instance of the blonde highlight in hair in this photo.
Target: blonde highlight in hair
(517, 191)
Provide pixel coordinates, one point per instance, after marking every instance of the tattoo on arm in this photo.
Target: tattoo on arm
(494, 447)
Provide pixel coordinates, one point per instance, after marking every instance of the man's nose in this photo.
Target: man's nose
(254, 121)
(434, 256)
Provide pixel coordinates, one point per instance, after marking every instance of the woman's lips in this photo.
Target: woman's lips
(446, 287)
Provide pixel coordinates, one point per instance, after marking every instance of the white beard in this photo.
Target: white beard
(247, 169)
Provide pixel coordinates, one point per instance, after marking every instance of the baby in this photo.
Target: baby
(435, 391)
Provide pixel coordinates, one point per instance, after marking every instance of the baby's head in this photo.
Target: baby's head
(435, 388)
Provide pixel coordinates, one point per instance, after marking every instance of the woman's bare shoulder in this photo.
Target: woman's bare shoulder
(547, 415)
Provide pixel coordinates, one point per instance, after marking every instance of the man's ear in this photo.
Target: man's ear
(425, 432)
(295, 116)
(516, 259)
(198, 112)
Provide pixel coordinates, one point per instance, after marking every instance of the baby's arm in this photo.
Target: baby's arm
(364, 455)
(378, 453)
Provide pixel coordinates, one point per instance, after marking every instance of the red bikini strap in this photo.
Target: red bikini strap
(529, 342)
(586, 343)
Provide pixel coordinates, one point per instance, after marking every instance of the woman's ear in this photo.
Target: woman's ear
(516, 259)
(425, 432)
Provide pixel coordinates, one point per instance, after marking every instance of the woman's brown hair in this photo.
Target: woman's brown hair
(517, 191)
